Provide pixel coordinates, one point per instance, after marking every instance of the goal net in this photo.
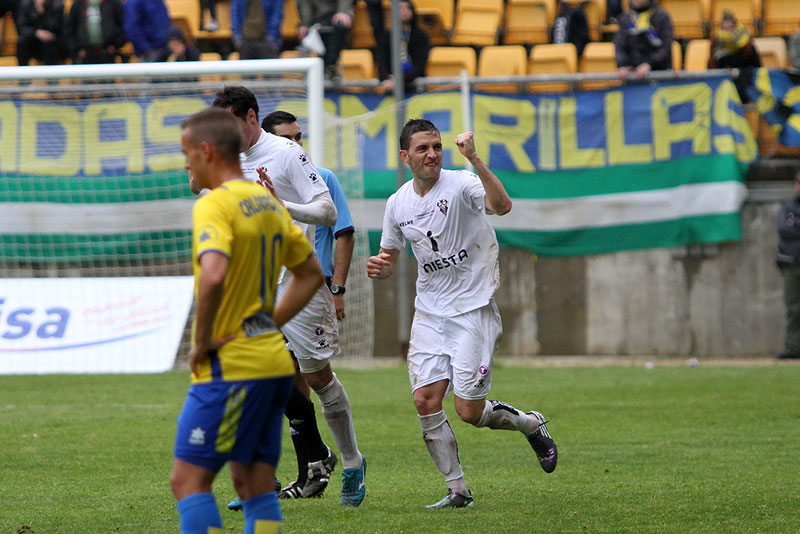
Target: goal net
(95, 236)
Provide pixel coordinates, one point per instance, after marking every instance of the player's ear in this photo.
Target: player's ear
(205, 149)
(404, 156)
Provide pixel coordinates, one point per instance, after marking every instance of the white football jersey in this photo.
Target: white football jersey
(294, 176)
(455, 246)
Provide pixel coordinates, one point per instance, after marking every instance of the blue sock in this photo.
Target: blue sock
(199, 512)
(262, 514)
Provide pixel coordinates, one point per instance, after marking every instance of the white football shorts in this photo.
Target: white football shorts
(459, 349)
(313, 334)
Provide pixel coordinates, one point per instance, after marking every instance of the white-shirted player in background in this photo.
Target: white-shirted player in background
(312, 336)
(456, 328)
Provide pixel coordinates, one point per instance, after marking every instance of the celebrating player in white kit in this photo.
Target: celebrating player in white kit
(456, 328)
(312, 336)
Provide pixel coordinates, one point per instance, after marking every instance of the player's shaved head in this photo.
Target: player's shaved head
(218, 128)
(415, 126)
(238, 99)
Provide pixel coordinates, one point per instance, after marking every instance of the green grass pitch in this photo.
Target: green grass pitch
(675, 449)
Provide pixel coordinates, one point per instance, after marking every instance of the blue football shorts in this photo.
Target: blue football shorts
(237, 421)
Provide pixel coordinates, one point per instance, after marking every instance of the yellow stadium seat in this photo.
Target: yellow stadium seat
(477, 22)
(436, 17)
(677, 56)
(552, 59)
(450, 61)
(291, 19)
(598, 57)
(773, 52)
(210, 56)
(529, 21)
(698, 51)
(185, 14)
(8, 61)
(689, 17)
(357, 64)
(746, 11)
(9, 45)
(362, 35)
(508, 60)
(781, 17)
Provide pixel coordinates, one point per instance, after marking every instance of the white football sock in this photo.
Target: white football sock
(442, 447)
(336, 410)
(501, 416)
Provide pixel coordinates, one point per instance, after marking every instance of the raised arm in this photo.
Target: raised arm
(497, 199)
(382, 265)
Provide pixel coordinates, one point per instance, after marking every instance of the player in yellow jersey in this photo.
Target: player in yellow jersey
(242, 373)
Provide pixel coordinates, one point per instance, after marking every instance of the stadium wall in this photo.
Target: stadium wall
(722, 300)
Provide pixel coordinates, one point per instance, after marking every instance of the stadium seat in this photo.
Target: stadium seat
(210, 56)
(598, 57)
(689, 17)
(357, 64)
(436, 17)
(291, 19)
(698, 51)
(224, 20)
(529, 21)
(677, 56)
(361, 34)
(746, 11)
(772, 51)
(9, 45)
(552, 59)
(185, 14)
(508, 60)
(477, 22)
(450, 61)
(8, 61)
(781, 17)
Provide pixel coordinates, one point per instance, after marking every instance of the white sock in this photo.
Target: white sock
(442, 447)
(501, 416)
(336, 410)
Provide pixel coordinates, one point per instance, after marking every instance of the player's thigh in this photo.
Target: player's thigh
(474, 338)
(428, 361)
(314, 332)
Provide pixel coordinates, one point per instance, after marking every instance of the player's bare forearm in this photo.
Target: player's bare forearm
(497, 199)
(342, 256)
(210, 290)
(320, 211)
(306, 280)
(382, 266)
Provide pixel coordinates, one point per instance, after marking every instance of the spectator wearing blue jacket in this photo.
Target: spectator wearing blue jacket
(256, 28)
(146, 25)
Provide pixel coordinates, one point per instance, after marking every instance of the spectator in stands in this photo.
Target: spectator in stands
(177, 47)
(146, 25)
(732, 48)
(794, 49)
(335, 18)
(39, 24)
(789, 263)
(94, 31)
(644, 39)
(256, 28)
(414, 49)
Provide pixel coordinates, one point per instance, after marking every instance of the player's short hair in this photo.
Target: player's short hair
(218, 128)
(238, 98)
(276, 118)
(413, 126)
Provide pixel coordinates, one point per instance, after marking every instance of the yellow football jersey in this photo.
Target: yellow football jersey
(241, 220)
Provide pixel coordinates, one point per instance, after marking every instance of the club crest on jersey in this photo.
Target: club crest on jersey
(442, 205)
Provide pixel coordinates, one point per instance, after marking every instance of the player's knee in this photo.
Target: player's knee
(468, 414)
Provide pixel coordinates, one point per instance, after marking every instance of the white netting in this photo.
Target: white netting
(92, 189)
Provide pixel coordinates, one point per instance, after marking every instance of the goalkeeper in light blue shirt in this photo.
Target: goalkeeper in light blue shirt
(313, 456)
